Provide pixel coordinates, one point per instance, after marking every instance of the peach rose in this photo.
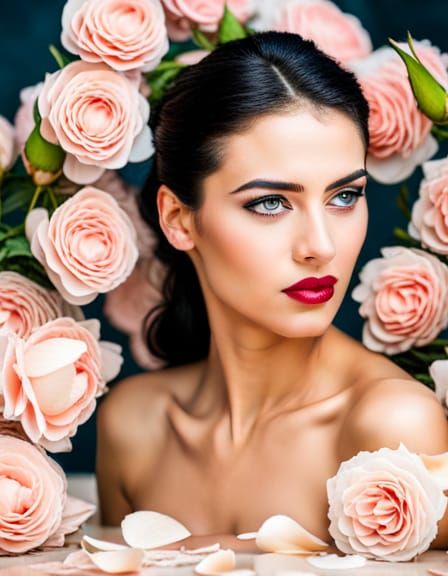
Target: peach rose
(183, 15)
(24, 119)
(126, 307)
(34, 507)
(404, 297)
(338, 34)
(98, 116)
(191, 57)
(124, 34)
(400, 136)
(429, 220)
(51, 380)
(87, 247)
(8, 151)
(25, 305)
(384, 505)
(438, 371)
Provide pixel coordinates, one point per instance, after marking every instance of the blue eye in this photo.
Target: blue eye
(354, 194)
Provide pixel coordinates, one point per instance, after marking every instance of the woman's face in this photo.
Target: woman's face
(252, 244)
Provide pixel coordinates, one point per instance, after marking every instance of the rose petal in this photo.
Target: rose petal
(94, 545)
(51, 355)
(247, 536)
(438, 466)
(148, 529)
(281, 533)
(220, 561)
(118, 561)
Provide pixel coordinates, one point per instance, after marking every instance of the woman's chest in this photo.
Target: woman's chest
(284, 471)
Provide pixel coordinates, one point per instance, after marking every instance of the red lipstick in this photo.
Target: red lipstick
(312, 290)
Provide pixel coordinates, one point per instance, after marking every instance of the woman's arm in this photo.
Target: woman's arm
(393, 411)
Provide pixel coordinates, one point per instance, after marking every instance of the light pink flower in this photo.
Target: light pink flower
(429, 220)
(98, 116)
(438, 371)
(24, 119)
(25, 305)
(404, 298)
(126, 196)
(8, 149)
(124, 34)
(34, 507)
(338, 34)
(191, 57)
(87, 247)
(126, 307)
(51, 380)
(400, 136)
(384, 505)
(184, 15)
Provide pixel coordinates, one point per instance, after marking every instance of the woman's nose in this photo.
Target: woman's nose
(313, 237)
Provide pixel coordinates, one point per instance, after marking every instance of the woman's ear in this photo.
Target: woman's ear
(175, 219)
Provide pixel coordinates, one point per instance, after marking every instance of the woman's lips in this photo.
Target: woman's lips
(312, 290)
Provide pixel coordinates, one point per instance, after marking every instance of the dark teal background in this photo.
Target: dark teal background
(26, 29)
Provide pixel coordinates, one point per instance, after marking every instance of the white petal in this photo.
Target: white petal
(118, 561)
(51, 355)
(281, 533)
(221, 561)
(335, 562)
(247, 536)
(147, 529)
(438, 467)
(81, 173)
(142, 147)
(94, 545)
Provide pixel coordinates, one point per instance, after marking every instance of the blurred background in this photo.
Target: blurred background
(26, 30)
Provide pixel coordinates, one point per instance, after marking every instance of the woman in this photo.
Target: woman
(259, 184)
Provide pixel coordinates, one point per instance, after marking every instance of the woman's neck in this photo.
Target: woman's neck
(254, 375)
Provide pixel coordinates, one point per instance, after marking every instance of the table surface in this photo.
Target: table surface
(264, 564)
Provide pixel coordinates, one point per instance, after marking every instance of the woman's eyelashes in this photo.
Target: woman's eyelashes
(274, 201)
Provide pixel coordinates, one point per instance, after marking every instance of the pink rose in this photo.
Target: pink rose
(126, 196)
(25, 305)
(438, 371)
(24, 119)
(404, 297)
(400, 136)
(8, 150)
(384, 505)
(34, 507)
(98, 116)
(338, 34)
(126, 307)
(87, 247)
(429, 220)
(124, 34)
(183, 15)
(51, 380)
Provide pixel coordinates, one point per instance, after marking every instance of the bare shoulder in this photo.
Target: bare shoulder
(389, 406)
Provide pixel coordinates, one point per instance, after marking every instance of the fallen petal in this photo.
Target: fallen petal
(203, 550)
(335, 562)
(147, 529)
(438, 467)
(94, 545)
(221, 561)
(437, 572)
(118, 561)
(247, 536)
(282, 534)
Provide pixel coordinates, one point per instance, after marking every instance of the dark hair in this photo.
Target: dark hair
(267, 72)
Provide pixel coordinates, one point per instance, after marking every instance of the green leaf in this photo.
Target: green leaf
(159, 82)
(42, 154)
(18, 246)
(406, 238)
(36, 114)
(17, 194)
(402, 201)
(61, 59)
(430, 95)
(202, 41)
(230, 28)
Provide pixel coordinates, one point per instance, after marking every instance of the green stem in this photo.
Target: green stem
(35, 198)
(52, 197)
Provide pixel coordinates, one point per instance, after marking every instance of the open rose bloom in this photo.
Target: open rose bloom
(51, 380)
(384, 505)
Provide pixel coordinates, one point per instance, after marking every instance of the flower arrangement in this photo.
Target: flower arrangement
(87, 120)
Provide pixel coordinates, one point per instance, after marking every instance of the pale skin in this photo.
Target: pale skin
(283, 397)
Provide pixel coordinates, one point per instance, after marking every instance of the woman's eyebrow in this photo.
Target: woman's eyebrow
(293, 187)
